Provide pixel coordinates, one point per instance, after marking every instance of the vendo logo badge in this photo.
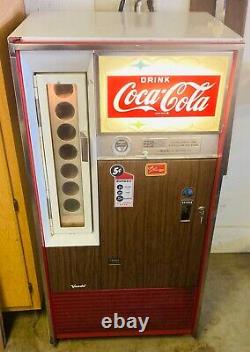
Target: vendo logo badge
(162, 96)
(156, 169)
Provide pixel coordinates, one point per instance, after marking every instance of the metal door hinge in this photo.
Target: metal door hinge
(30, 287)
(16, 205)
(37, 103)
(38, 111)
(49, 209)
(84, 146)
(12, 46)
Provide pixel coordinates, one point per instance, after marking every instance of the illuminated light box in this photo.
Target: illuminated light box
(171, 93)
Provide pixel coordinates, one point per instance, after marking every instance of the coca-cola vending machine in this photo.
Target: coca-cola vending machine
(126, 123)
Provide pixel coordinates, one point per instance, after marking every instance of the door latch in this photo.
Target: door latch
(84, 147)
(201, 211)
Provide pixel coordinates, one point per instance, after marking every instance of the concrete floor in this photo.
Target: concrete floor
(224, 324)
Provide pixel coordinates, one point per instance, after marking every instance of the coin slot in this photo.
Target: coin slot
(65, 110)
(186, 207)
(69, 170)
(63, 90)
(66, 132)
(71, 205)
(67, 152)
(70, 188)
(114, 261)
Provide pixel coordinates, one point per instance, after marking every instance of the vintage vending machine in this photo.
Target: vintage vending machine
(126, 122)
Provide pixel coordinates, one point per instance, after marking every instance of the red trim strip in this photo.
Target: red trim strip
(214, 200)
(123, 333)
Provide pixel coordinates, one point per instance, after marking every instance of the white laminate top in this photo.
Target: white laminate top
(67, 26)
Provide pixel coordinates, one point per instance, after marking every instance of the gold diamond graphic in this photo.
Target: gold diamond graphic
(138, 124)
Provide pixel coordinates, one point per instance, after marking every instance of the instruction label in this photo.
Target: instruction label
(124, 191)
(123, 187)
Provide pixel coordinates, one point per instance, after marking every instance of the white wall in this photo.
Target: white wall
(112, 5)
(36, 5)
(99, 5)
(232, 231)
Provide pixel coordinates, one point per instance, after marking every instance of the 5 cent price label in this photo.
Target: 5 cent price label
(123, 187)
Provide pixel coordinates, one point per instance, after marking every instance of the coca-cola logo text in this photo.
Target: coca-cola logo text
(162, 96)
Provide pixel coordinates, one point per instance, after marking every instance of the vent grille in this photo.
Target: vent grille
(80, 313)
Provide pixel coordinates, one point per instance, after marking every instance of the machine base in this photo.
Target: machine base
(79, 314)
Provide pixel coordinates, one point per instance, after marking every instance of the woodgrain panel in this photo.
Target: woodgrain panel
(122, 229)
(153, 245)
(203, 6)
(74, 266)
(235, 16)
(204, 189)
(154, 248)
(166, 249)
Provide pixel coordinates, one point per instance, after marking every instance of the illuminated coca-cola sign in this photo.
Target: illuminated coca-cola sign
(162, 96)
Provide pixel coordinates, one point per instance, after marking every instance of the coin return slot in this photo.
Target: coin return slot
(66, 132)
(186, 207)
(114, 261)
(65, 110)
(63, 90)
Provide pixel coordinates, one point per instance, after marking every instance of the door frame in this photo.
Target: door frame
(49, 163)
(2, 332)
(48, 62)
(233, 15)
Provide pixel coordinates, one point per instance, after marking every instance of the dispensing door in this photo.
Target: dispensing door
(156, 234)
(64, 138)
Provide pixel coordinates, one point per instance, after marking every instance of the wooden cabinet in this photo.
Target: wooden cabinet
(235, 12)
(2, 332)
(19, 288)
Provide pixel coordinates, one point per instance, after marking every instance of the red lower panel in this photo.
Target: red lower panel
(79, 314)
